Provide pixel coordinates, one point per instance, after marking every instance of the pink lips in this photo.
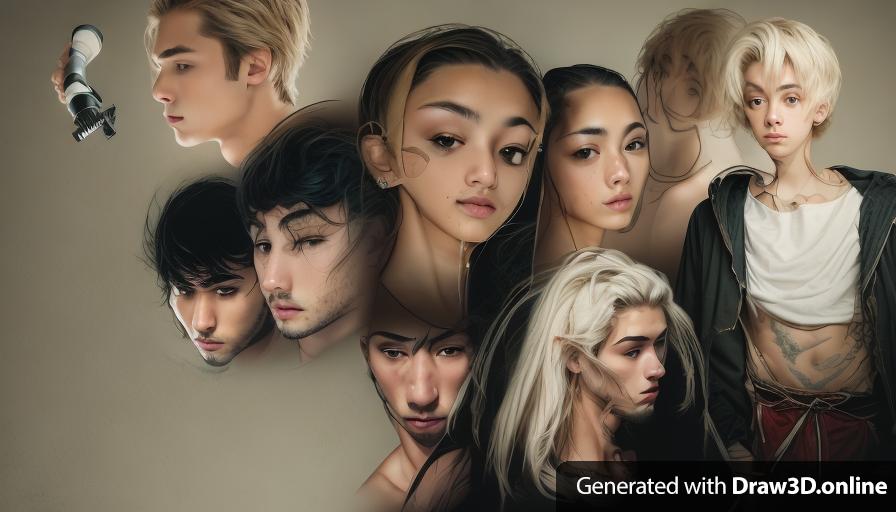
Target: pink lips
(774, 137)
(650, 395)
(425, 423)
(477, 207)
(284, 310)
(173, 119)
(619, 202)
(208, 345)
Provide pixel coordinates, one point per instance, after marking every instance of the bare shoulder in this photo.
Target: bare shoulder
(444, 485)
(382, 490)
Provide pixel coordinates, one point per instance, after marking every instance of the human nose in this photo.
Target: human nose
(617, 172)
(204, 320)
(655, 368)
(162, 90)
(482, 173)
(273, 273)
(422, 392)
(772, 116)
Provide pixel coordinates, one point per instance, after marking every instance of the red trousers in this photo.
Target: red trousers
(804, 426)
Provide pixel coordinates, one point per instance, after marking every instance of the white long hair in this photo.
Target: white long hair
(574, 313)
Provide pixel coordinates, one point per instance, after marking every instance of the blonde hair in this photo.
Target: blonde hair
(574, 314)
(700, 34)
(282, 26)
(775, 43)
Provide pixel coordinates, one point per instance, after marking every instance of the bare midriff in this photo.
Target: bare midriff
(825, 358)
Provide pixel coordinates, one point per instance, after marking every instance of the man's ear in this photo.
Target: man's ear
(572, 357)
(258, 66)
(378, 160)
(821, 113)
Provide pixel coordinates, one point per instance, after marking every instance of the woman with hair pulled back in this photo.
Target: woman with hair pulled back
(451, 119)
(594, 162)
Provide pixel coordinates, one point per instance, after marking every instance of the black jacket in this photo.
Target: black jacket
(711, 287)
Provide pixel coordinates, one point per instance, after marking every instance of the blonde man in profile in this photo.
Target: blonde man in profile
(219, 78)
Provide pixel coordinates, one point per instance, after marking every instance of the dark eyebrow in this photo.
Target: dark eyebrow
(754, 86)
(592, 130)
(184, 283)
(177, 50)
(519, 121)
(289, 218)
(391, 336)
(641, 338)
(631, 338)
(418, 342)
(633, 126)
(596, 130)
(450, 106)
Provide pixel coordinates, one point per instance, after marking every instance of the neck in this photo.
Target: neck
(560, 234)
(348, 327)
(272, 346)
(427, 271)
(411, 456)
(793, 170)
(592, 429)
(264, 112)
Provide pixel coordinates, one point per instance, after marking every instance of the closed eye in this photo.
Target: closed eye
(310, 241)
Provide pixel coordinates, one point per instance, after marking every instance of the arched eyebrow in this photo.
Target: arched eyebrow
(418, 342)
(472, 115)
(597, 130)
(450, 106)
(175, 50)
(779, 89)
(640, 338)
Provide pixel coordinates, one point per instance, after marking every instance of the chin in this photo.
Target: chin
(186, 141)
(639, 414)
(477, 233)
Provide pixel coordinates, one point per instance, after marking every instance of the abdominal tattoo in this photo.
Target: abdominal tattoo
(836, 364)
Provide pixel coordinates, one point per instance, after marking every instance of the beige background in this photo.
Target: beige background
(102, 406)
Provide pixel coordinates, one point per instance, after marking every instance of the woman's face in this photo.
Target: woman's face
(634, 353)
(597, 156)
(468, 134)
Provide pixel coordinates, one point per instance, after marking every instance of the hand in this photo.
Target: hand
(57, 76)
